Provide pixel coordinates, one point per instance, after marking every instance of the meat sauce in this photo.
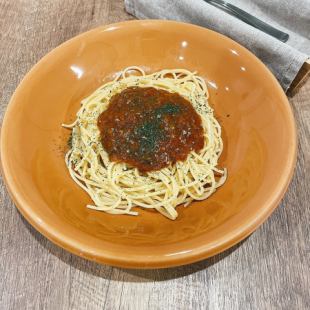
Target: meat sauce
(149, 128)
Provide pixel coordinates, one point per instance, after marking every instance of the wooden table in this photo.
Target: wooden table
(269, 270)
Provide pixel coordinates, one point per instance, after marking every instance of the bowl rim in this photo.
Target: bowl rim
(135, 261)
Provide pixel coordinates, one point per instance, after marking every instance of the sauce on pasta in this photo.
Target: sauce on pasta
(150, 128)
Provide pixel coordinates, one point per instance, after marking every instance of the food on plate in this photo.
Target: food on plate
(148, 141)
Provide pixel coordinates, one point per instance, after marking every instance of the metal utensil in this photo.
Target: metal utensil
(249, 19)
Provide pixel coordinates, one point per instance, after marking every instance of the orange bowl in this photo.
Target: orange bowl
(258, 132)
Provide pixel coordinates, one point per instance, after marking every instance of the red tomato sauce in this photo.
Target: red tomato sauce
(149, 128)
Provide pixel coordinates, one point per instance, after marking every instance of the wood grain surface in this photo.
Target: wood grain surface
(269, 270)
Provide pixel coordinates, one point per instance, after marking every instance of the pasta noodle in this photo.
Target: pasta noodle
(116, 187)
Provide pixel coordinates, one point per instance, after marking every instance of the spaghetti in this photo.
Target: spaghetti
(117, 187)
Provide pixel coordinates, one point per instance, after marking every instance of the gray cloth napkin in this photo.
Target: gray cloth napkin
(293, 17)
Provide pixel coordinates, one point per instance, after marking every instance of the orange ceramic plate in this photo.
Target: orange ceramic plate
(258, 132)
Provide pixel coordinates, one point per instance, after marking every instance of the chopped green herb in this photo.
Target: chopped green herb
(69, 142)
(168, 108)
